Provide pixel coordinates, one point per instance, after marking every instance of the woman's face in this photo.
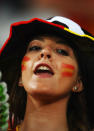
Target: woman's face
(49, 68)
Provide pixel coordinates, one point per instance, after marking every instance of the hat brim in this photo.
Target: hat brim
(22, 31)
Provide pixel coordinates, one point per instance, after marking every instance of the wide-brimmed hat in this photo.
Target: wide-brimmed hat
(80, 40)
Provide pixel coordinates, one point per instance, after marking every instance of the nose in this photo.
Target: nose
(45, 56)
(45, 53)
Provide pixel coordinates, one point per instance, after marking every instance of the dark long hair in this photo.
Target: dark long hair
(76, 111)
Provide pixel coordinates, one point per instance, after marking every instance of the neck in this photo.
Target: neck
(45, 117)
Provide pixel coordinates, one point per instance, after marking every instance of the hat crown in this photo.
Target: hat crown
(73, 26)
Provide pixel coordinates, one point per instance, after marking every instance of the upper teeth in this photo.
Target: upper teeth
(43, 68)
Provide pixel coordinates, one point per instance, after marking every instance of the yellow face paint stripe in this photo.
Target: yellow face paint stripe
(24, 63)
(23, 66)
(68, 70)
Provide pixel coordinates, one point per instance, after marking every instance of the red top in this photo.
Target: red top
(11, 129)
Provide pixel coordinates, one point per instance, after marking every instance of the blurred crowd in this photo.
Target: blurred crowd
(81, 11)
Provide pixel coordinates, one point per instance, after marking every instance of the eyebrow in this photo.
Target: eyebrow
(60, 41)
(38, 38)
(63, 42)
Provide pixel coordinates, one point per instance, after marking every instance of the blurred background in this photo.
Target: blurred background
(81, 11)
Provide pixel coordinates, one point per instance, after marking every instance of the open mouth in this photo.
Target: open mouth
(43, 69)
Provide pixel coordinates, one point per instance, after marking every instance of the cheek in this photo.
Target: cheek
(24, 61)
(67, 70)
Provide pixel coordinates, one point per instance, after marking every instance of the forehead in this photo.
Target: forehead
(55, 39)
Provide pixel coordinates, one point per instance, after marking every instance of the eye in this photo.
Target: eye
(62, 52)
(34, 48)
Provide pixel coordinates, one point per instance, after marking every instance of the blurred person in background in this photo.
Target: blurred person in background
(81, 11)
(18, 10)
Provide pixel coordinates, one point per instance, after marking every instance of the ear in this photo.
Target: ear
(78, 87)
(20, 82)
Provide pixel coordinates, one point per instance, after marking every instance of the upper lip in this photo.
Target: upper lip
(44, 64)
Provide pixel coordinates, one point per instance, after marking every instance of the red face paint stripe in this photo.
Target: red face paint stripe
(68, 66)
(67, 74)
(23, 67)
(26, 58)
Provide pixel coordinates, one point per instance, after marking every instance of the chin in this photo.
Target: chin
(47, 96)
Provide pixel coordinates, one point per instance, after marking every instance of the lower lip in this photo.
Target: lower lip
(44, 75)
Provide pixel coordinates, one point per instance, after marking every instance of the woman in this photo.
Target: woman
(48, 65)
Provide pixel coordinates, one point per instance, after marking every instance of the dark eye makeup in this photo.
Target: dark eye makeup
(59, 51)
(34, 48)
(62, 52)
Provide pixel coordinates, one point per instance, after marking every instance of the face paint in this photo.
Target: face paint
(25, 59)
(67, 70)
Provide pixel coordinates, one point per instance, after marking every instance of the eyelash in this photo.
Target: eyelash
(60, 51)
(34, 48)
